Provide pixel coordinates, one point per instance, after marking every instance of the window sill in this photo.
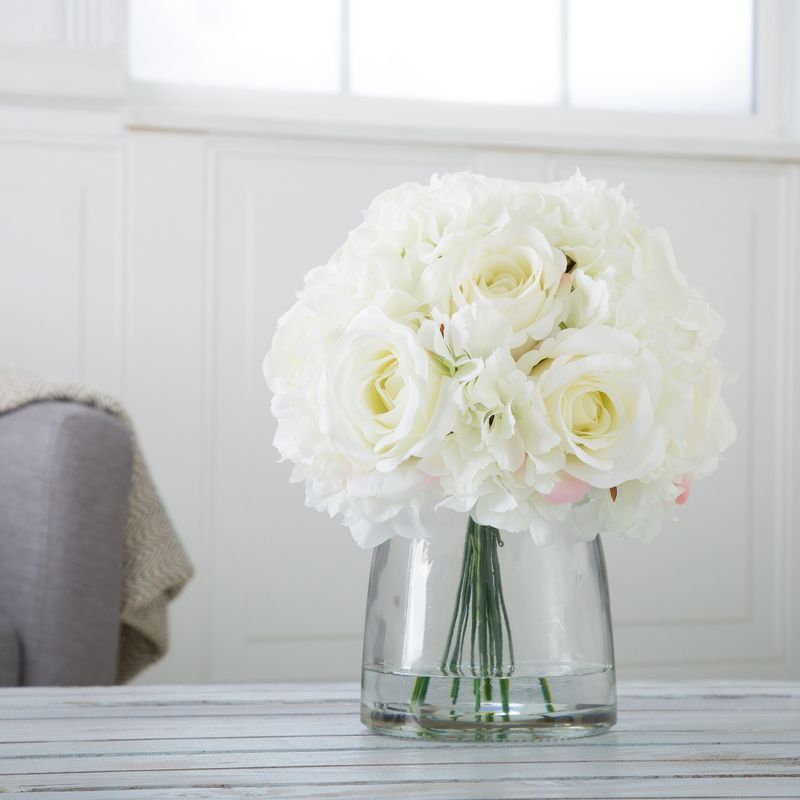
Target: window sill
(188, 109)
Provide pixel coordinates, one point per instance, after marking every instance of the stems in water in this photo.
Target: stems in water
(480, 603)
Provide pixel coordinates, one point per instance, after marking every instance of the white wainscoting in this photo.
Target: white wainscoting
(61, 228)
(155, 265)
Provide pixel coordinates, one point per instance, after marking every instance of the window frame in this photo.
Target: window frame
(170, 106)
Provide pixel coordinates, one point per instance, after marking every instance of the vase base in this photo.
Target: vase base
(588, 722)
(522, 709)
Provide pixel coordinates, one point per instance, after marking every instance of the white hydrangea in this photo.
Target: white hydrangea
(526, 353)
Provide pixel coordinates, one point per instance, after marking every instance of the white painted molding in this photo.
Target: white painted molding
(333, 118)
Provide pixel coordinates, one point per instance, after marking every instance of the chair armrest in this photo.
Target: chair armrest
(65, 477)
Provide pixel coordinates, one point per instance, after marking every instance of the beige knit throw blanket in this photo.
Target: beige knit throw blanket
(155, 566)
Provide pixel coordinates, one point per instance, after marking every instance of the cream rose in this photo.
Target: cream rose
(602, 390)
(514, 270)
(383, 398)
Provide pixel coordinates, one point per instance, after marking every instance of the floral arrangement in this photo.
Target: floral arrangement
(527, 353)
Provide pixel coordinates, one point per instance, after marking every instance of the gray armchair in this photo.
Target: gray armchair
(65, 472)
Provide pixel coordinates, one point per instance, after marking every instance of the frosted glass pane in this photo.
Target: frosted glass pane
(662, 55)
(262, 44)
(504, 51)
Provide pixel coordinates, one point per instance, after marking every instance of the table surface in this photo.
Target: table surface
(680, 740)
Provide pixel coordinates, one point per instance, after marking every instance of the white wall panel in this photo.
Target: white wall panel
(60, 227)
(167, 361)
(289, 584)
(709, 592)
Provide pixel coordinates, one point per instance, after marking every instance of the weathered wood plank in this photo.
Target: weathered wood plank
(625, 789)
(776, 708)
(323, 692)
(332, 724)
(575, 757)
(613, 741)
(255, 704)
(380, 775)
(726, 739)
(258, 708)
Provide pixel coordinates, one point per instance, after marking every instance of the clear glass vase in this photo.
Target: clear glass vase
(478, 634)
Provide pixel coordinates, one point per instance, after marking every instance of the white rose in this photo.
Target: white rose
(514, 270)
(602, 389)
(383, 397)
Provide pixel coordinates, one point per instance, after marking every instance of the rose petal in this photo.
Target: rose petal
(568, 490)
(686, 483)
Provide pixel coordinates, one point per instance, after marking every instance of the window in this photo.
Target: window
(679, 55)
(503, 51)
(695, 56)
(284, 45)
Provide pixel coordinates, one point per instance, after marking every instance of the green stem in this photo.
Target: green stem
(479, 604)
(486, 627)
(502, 599)
(459, 596)
(454, 665)
(500, 607)
(548, 697)
(480, 588)
(473, 603)
(504, 692)
(493, 584)
(419, 691)
(454, 696)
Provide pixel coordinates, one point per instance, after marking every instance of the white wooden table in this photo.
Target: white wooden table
(731, 740)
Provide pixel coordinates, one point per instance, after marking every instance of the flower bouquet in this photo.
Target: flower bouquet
(504, 358)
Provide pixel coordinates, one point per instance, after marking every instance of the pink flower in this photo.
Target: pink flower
(568, 490)
(686, 484)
